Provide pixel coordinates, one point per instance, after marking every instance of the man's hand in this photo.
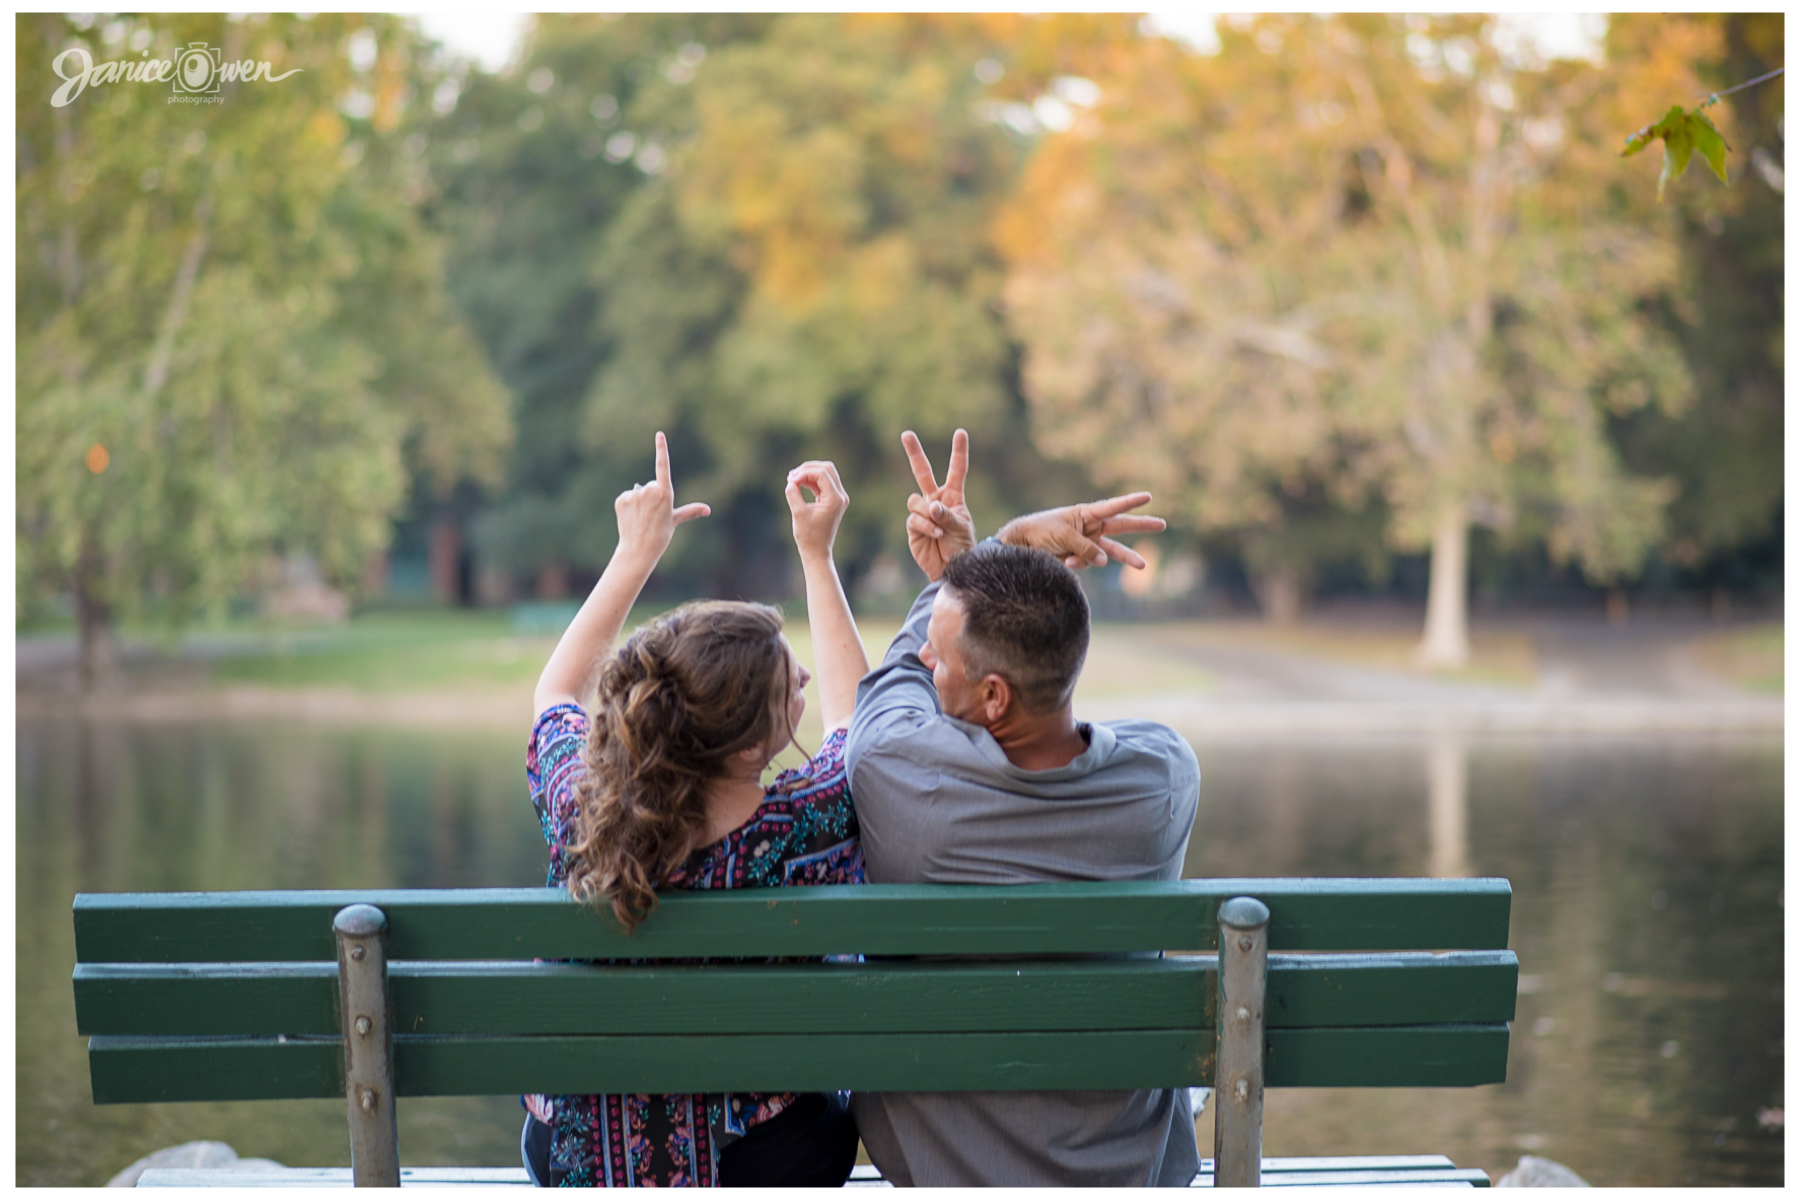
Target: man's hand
(816, 524)
(938, 524)
(1082, 534)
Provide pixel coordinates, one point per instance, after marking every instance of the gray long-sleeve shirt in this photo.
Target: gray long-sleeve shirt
(939, 802)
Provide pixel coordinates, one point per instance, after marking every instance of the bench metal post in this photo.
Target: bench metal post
(1238, 1091)
(368, 1045)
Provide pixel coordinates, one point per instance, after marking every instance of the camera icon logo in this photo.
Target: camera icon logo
(197, 69)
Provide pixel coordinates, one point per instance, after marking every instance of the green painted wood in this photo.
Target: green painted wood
(147, 1069)
(1310, 914)
(885, 997)
(1394, 1056)
(1324, 990)
(1358, 1162)
(202, 999)
(126, 1070)
(1429, 1178)
(136, 1070)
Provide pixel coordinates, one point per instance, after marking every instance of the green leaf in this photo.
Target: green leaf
(1710, 143)
(1678, 148)
(1650, 133)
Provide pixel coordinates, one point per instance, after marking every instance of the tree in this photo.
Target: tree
(232, 337)
(1338, 258)
(809, 274)
(1724, 451)
(525, 173)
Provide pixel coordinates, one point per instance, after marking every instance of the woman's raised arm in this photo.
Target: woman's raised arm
(647, 520)
(838, 658)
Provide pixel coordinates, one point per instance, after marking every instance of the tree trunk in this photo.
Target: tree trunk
(1281, 592)
(446, 560)
(1446, 641)
(93, 616)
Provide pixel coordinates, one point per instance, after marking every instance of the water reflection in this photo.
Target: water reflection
(1447, 766)
(1647, 919)
(1646, 872)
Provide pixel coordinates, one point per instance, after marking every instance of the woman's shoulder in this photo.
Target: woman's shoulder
(558, 723)
(822, 772)
(554, 753)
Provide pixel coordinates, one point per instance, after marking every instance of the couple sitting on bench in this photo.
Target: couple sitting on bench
(957, 760)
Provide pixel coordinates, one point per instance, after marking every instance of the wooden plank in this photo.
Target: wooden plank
(882, 997)
(129, 1070)
(206, 999)
(125, 1070)
(1359, 1162)
(508, 923)
(1457, 1179)
(1398, 1056)
(1327, 990)
(261, 1177)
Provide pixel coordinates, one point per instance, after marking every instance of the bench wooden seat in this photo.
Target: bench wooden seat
(1423, 1170)
(248, 995)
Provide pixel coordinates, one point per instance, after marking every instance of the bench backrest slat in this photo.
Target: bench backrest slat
(1310, 914)
(517, 998)
(144, 1070)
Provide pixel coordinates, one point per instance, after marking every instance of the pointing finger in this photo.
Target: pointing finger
(1115, 505)
(662, 462)
(1133, 525)
(921, 466)
(1123, 553)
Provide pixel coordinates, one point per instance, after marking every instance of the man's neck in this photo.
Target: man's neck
(1039, 743)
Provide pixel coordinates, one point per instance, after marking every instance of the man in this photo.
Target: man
(968, 766)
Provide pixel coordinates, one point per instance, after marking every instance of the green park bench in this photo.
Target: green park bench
(375, 995)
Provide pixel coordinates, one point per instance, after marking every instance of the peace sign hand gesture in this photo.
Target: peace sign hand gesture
(1082, 534)
(938, 524)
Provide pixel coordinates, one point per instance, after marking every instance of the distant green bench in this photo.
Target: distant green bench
(376, 994)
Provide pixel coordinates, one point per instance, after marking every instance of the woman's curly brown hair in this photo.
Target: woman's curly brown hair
(676, 701)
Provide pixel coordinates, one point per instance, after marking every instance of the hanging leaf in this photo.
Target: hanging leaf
(1710, 143)
(1682, 131)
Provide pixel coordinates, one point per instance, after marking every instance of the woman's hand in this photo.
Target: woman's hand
(647, 520)
(647, 513)
(837, 650)
(816, 522)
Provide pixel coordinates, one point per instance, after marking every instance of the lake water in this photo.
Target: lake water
(1647, 917)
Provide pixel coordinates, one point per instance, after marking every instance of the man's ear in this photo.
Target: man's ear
(997, 698)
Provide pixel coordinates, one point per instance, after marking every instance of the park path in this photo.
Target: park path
(1591, 678)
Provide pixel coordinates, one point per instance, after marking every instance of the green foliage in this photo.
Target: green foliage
(1682, 131)
(770, 241)
(236, 302)
(1377, 301)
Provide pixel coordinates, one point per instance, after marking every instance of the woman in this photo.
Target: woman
(660, 787)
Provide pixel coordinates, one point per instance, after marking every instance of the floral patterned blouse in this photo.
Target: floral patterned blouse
(803, 833)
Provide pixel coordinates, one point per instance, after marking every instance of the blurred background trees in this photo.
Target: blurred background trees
(234, 341)
(1352, 294)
